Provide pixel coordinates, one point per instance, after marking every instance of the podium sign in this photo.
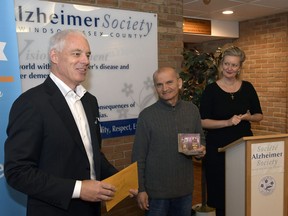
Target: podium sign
(256, 176)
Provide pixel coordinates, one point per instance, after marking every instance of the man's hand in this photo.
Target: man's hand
(94, 191)
(142, 199)
(133, 192)
(202, 150)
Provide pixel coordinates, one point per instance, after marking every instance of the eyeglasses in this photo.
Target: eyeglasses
(228, 64)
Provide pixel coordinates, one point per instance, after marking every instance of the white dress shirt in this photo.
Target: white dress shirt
(73, 98)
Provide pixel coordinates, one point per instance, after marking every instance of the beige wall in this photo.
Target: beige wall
(265, 42)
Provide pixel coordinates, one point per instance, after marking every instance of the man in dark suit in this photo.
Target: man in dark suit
(52, 152)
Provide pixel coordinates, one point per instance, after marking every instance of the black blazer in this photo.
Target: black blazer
(45, 155)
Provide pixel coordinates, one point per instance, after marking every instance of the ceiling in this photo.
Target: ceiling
(243, 10)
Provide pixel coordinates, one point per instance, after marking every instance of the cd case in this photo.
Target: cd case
(189, 143)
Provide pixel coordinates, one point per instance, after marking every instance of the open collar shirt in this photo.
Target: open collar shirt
(73, 98)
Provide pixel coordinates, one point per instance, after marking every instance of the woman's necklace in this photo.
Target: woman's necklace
(230, 88)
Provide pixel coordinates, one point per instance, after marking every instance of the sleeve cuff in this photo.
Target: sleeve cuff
(77, 189)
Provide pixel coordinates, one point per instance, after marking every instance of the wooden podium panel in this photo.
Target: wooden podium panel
(257, 176)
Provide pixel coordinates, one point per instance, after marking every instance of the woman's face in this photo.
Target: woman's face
(231, 66)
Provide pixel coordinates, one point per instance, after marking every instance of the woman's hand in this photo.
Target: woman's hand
(256, 117)
(235, 120)
(247, 116)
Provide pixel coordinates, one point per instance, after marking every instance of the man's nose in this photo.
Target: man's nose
(85, 59)
(164, 87)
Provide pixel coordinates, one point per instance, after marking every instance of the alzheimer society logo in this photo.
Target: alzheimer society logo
(267, 185)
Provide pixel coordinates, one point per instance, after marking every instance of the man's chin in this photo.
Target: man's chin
(167, 97)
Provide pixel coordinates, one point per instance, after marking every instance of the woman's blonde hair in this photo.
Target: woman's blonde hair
(231, 51)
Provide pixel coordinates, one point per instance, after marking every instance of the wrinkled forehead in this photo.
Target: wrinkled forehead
(165, 74)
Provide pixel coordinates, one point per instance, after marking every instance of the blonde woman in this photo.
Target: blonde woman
(227, 108)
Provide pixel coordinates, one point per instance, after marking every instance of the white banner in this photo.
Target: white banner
(124, 55)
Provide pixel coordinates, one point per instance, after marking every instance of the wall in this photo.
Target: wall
(265, 42)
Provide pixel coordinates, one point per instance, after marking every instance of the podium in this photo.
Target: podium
(256, 176)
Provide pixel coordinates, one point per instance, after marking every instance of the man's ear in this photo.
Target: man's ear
(54, 56)
(180, 83)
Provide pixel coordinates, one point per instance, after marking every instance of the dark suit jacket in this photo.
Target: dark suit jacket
(44, 153)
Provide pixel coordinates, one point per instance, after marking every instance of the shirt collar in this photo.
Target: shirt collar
(65, 89)
(167, 105)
